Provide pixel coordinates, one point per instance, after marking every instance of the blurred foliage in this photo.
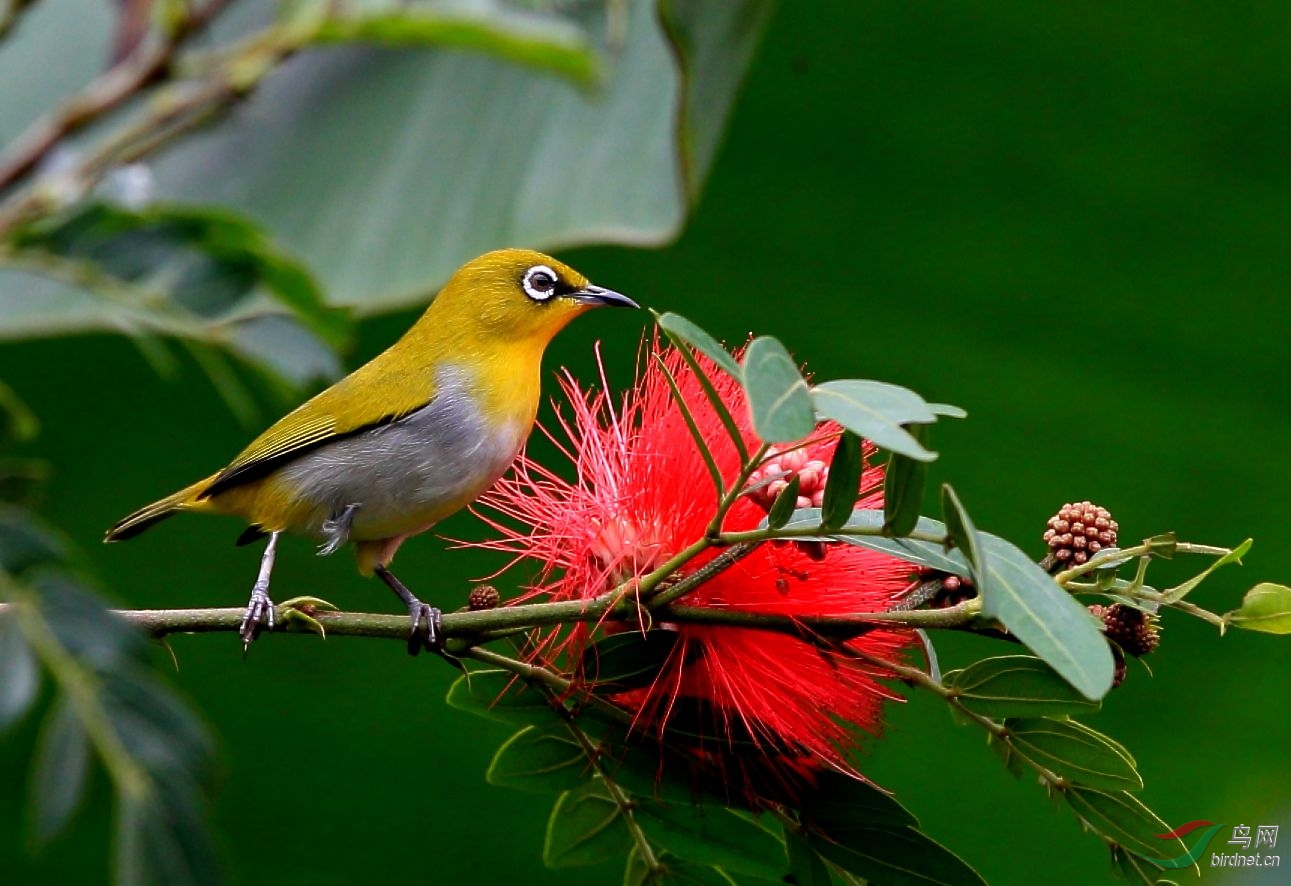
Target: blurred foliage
(105, 706)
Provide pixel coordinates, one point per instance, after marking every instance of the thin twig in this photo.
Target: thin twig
(149, 62)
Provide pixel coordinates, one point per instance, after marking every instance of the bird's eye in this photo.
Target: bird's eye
(539, 283)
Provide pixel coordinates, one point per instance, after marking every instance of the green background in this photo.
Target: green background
(1073, 222)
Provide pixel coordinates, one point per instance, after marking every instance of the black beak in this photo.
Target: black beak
(596, 295)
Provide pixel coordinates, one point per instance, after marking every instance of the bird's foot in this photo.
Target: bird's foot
(427, 621)
(258, 616)
(427, 628)
(301, 611)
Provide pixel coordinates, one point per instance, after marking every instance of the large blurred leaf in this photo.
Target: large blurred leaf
(387, 169)
(154, 751)
(21, 676)
(62, 762)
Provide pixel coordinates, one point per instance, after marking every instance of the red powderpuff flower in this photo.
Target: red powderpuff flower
(642, 494)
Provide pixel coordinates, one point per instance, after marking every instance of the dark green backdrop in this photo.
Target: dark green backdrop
(1073, 222)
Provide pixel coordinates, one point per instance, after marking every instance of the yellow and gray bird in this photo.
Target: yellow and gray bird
(405, 440)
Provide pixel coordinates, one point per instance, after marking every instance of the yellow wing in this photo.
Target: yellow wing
(371, 396)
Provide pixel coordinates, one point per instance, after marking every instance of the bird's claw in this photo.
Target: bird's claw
(258, 616)
(301, 610)
(427, 628)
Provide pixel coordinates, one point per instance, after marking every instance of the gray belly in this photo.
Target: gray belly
(408, 475)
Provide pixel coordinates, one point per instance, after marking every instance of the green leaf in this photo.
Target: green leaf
(1266, 608)
(1075, 752)
(1016, 686)
(17, 422)
(672, 871)
(25, 541)
(838, 802)
(875, 412)
(843, 487)
(679, 329)
(206, 260)
(960, 528)
(1026, 600)
(896, 856)
(805, 864)
(1175, 594)
(546, 42)
(1121, 817)
(712, 69)
(498, 695)
(920, 553)
(495, 152)
(21, 673)
(162, 837)
(778, 397)
(628, 660)
(586, 827)
(903, 483)
(945, 410)
(62, 764)
(540, 759)
(716, 835)
(785, 503)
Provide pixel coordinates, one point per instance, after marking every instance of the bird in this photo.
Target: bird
(405, 440)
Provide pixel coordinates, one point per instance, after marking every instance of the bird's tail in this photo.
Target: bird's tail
(184, 500)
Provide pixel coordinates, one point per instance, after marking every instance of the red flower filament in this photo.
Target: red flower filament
(642, 494)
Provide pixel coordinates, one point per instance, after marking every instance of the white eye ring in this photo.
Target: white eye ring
(534, 281)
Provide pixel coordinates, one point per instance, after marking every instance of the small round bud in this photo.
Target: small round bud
(1132, 629)
(1078, 531)
(483, 597)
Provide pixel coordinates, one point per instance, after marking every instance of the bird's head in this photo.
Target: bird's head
(518, 295)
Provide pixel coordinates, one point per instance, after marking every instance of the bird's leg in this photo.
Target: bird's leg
(427, 630)
(259, 612)
(337, 530)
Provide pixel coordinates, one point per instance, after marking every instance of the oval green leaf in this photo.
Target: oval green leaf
(897, 856)
(1026, 600)
(903, 484)
(540, 759)
(785, 503)
(499, 695)
(1017, 686)
(628, 660)
(961, 530)
(1121, 817)
(678, 328)
(779, 400)
(585, 827)
(843, 487)
(716, 835)
(1266, 608)
(1075, 752)
(846, 403)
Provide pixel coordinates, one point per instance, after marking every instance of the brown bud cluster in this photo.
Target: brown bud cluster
(812, 473)
(1078, 531)
(1132, 629)
(483, 597)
